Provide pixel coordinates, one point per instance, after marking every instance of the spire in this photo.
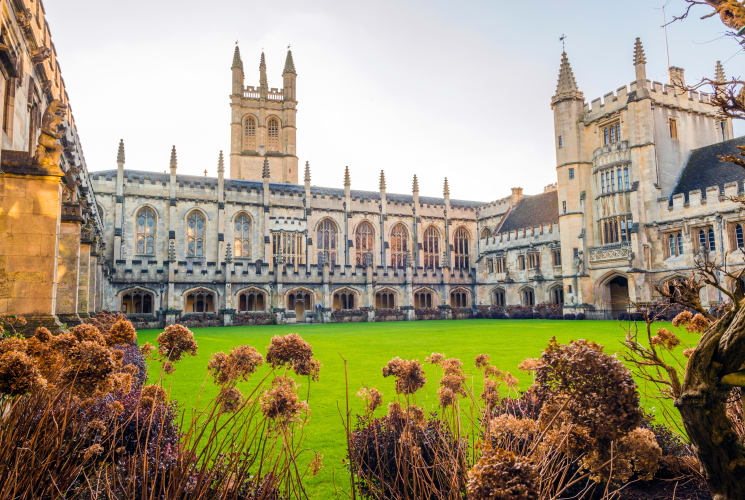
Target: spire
(307, 172)
(446, 188)
(237, 63)
(382, 180)
(289, 64)
(639, 56)
(265, 170)
(174, 161)
(347, 180)
(220, 163)
(120, 153)
(566, 87)
(719, 72)
(415, 185)
(262, 73)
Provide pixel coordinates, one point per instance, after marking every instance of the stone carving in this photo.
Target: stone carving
(41, 54)
(171, 251)
(615, 252)
(49, 150)
(228, 253)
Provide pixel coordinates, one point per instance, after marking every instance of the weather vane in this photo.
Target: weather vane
(562, 38)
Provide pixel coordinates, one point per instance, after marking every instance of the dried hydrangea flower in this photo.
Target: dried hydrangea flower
(409, 375)
(665, 338)
(482, 361)
(93, 450)
(175, 341)
(229, 399)
(688, 352)
(281, 402)
(510, 380)
(16, 344)
(682, 318)
(502, 474)
(122, 332)
(291, 350)
(529, 364)
(435, 358)
(698, 324)
(373, 397)
(85, 332)
(19, 374)
(43, 334)
(90, 365)
(146, 349)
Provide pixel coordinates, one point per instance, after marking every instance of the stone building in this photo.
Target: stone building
(640, 194)
(50, 230)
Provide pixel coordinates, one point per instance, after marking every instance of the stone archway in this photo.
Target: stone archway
(618, 294)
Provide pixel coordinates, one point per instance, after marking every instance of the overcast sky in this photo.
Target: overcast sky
(438, 88)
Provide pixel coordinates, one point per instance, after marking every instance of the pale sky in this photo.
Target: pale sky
(438, 88)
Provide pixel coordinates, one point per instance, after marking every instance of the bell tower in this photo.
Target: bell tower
(262, 125)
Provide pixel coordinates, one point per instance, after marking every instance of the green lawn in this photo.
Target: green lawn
(367, 347)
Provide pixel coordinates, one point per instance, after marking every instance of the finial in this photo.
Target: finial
(289, 63)
(205, 172)
(120, 153)
(265, 170)
(719, 73)
(220, 163)
(262, 72)
(639, 56)
(446, 188)
(237, 62)
(562, 38)
(174, 161)
(382, 180)
(347, 180)
(415, 185)
(307, 172)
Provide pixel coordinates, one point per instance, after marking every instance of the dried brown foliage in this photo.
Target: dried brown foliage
(293, 352)
(500, 474)
(176, 341)
(409, 375)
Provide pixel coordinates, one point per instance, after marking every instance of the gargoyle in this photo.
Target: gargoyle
(40, 55)
(49, 150)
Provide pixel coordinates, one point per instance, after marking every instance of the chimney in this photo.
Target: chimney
(517, 195)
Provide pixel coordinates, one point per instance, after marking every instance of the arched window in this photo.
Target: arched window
(146, 231)
(272, 132)
(399, 246)
(200, 301)
(299, 300)
(137, 302)
(249, 133)
(557, 296)
(498, 298)
(461, 248)
(344, 299)
(242, 236)
(739, 240)
(459, 298)
(431, 248)
(385, 299)
(485, 233)
(528, 297)
(423, 299)
(195, 234)
(252, 299)
(363, 244)
(326, 242)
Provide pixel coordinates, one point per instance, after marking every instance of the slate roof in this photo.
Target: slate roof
(531, 211)
(704, 169)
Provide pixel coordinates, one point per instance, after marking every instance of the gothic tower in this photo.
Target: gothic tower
(262, 124)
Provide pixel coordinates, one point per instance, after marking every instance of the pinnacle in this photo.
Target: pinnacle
(382, 180)
(262, 72)
(566, 87)
(120, 153)
(347, 180)
(289, 63)
(639, 56)
(174, 161)
(446, 188)
(265, 170)
(719, 72)
(415, 185)
(307, 172)
(237, 63)
(220, 163)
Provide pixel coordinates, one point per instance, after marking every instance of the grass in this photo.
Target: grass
(367, 347)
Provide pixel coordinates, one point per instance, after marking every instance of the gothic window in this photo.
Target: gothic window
(712, 241)
(461, 249)
(399, 246)
(534, 260)
(431, 248)
(249, 133)
(344, 300)
(459, 298)
(273, 134)
(674, 244)
(739, 240)
(557, 296)
(137, 302)
(616, 229)
(528, 297)
(556, 254)
(326, 242)
(706, 240)
(423, 299)
(500, 263)
(252, 300)
(385, 299)
(195, 224)
(199, 301)
(363, 244)
(485, 233)
(242, 236)
(146, 231)
(288, 246)
(611, 133)
(498, 297)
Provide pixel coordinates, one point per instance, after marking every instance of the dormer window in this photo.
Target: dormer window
(611, 133)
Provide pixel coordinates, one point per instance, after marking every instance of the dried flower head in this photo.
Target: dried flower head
(43, 334)
(316, 464)
(146, 349)
(506, 430)
(493, 371)
(409, 375)
(529, 364)
(168, 368)
(311, 367)
(435, 358)
(229, 399)
(240, 363)
(482, 361)
(665, 338)
(19, 374)
(292, 350)
(90, 365)
(501, 474)
(636, 453)
(122, 332)
(490, 394)
(446, 396)
(510, 381)
(688, 352)
(698, 324)
(92, 451)
(85, 332)
(64, 342)
(16, 344)
(175, 341)
(682, 318)
(281, 401)
(373, 397)
(151, 395)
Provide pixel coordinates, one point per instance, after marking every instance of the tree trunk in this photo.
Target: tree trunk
(703, 406)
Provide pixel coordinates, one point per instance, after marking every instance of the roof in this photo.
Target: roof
(704, 168)
(532, 211)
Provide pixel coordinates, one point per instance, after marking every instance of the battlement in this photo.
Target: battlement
(525, 236)
(273, 94)
(698, 202)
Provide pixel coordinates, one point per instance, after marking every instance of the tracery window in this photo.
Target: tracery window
(288, 246)
(137, 302)
(242, 236)
(195, 224)
(273, 134)
(616, 229)
(249, 133)
(461, 249)
(557, 296)
(363, 244)
(528, 297)
(498, 297)
(252, 300)
(200, 301)
(399, 246)
(459, 298)
(146, 231)
(423, 299)
(326, 242)
(385, 299)
(344, 299)
(431, 248)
